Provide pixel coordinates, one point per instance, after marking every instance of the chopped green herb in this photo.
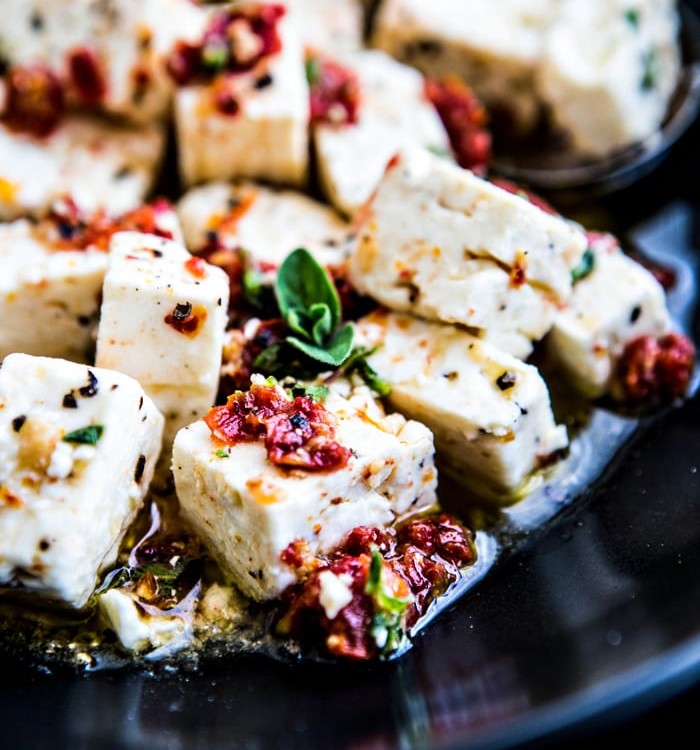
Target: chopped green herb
(214, 57)
(632, 17)
(85, 435)
(223, 453)
(317, 392)
(387, 626)
(585, 266)
(313, 70)
(357, 362)
(651, 67)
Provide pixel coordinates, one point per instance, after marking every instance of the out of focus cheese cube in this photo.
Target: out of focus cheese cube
(494, 47)
(446, 245)
(266, 224)
(490, 413)
(52, 275)
(609, 70)
(248, 511)
(332, 26)
(100, 164)
(108, 55)
(162, 321)
(618, 301)
(248, 124)
(70, 483)
(393, 112)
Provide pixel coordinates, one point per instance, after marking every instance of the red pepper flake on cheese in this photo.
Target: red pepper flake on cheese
(235, 42)
(384, 579)
(196, 266)
(86, 75)
(465, 120)
(297, 432)
(35, 100)
(186, 319)
(653, 370)
(334, 91)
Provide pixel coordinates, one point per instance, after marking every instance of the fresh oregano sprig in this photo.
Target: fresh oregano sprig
(310, 306)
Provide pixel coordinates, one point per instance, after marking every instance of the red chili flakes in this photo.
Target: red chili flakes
(74, 230)
(297, 432)
(9, 499)
(235, 42)
(421, 559)
(465, 120)
(517, 275)
(653, 370)
(334, 91)
(196, 266)
(294, 554)
(35, 100)
(86, 75)
(186, 319)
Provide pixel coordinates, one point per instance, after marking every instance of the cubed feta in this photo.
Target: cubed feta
(393, 112)
(266, 224)
(618, 301)
(248, 511)
(330, 25)
(440, 242)
(70, 483)
(100, 164)
(262, 130)
(490, 412)
(162, 321)
(609, 70)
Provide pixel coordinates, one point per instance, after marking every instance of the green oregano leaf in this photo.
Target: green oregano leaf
(584, 267)
(85, 435)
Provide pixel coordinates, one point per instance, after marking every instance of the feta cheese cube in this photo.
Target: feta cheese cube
(248, 511)
(393, 112)
(490, 412)
(162, 321)
(494, 47)
(70, 483)
(100, 164)
(51, 283)
(609, 70)
(618, 301)
(440, 242)
(115, 50)
(261, 129)
(267, 224)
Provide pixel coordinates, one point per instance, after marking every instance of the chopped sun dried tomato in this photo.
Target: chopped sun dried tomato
(420, 560)
(235, 42)
(654, 370)
(464, 118)
(35, 100)
(297, 432)
(86, 75)
(334, 91)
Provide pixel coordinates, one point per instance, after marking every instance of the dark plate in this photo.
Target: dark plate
(592, 620)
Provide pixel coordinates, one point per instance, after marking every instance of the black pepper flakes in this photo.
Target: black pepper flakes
(506, 381)
(36, 21)
(89, 390)
(263, 82)
(140, 403)
(44, 545)
(140, 466)
(17, 422)
(69, 401)
(182, 311)
(636, 312)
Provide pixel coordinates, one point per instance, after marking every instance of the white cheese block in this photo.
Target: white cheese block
(618, 301)
(100, 164)
(248, 511)
(494, 47)
(393, 112)
(49, 291)
(65, 506)
(440, 242)
(129, 41)
(609, 70)
(490, 412)
(150, 283)
(266, 139)
(333, 26)
(267, 224)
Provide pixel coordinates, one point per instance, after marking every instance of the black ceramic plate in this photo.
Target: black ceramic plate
(596, 615)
